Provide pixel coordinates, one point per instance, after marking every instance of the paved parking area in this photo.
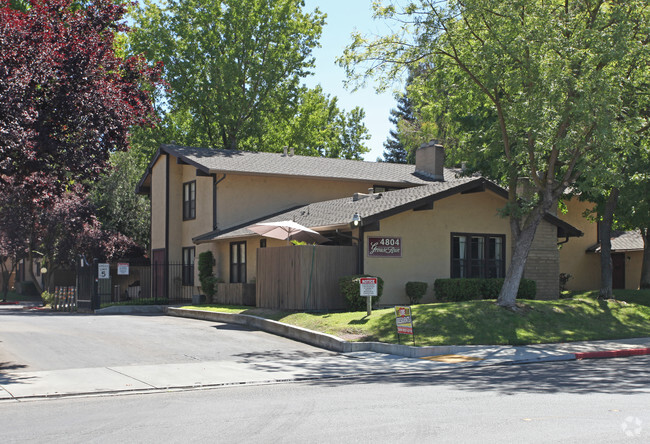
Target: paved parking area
(41, 341)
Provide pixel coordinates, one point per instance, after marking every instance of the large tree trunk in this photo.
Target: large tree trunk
(645, 264)
(522, 240)
(605, 235)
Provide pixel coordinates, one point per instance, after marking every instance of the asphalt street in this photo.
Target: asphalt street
(560, 402)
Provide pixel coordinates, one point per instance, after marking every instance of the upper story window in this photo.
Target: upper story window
(189, 200)
(478, 255)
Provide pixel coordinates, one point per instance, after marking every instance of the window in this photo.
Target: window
(477, 255)
(262, 243)
(188, 266)
(189, 200)
(237, 262)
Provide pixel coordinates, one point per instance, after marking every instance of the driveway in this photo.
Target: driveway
(51, 354)
(39, 341)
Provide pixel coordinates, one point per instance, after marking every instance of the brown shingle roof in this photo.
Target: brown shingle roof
(277, 164)
(622, 241)
(338, 213)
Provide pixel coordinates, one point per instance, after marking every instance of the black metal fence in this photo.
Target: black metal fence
(100, 285)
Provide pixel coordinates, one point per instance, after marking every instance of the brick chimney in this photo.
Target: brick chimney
(430, 160)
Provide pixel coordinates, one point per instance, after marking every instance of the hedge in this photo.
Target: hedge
(454, 290)
(415, 291)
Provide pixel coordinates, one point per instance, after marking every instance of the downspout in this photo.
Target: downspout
(166, 266)
(361, 253)
(215, 182)
(167, 168)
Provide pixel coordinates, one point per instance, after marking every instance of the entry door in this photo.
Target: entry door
(618, 270)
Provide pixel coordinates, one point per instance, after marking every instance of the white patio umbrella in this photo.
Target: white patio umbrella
(288, 230)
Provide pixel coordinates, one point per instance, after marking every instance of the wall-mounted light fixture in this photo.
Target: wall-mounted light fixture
(356, 220)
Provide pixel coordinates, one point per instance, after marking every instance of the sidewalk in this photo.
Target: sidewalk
(258, 369)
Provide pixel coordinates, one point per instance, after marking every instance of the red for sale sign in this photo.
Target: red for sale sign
(404, 320)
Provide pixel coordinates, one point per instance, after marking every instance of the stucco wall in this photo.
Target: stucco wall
(633, 262)
(221, 252)
(242, 198)
(426, 241)
(583, 267)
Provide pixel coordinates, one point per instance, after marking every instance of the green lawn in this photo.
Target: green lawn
(634, 296)
(482, 322)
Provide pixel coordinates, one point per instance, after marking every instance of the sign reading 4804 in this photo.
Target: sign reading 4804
(384, 246)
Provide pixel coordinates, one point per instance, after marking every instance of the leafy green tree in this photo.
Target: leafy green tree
(119, 209)
(545, 85)
(633, 211)
(318, 127)
(228, 64)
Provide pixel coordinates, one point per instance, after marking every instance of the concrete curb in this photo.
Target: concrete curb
(318, 339)
(132, 309)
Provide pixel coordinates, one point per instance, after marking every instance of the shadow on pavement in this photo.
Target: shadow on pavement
(5, 374)
(620, 375)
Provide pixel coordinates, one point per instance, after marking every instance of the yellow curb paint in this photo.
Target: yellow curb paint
(452, 359)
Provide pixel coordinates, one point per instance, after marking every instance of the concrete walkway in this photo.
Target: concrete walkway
(259, 368)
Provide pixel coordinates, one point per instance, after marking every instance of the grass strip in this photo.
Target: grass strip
(581, 318)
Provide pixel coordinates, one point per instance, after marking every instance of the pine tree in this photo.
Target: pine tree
(396, 149)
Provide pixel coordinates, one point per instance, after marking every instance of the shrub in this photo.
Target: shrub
(455, 290)
(47, 297)
(349, 286)
(206, 277)
(415, 291)
(564, 278)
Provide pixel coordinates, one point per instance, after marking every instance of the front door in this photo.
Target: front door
(618, 270)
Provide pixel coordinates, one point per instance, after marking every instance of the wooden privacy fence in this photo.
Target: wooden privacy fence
(304, 277)
(65, 299)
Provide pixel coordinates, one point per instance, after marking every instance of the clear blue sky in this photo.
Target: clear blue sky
(344, 17)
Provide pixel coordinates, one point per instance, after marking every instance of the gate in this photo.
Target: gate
(86, 294)
(137, 283)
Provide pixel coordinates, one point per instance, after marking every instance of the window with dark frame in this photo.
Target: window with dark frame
(477, 255)
(188, 266)
(189, 200)
(262, 243)
(238, 262)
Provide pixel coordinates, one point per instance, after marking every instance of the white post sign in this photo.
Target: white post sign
(368, 288)
(123, 269)
(103, 271)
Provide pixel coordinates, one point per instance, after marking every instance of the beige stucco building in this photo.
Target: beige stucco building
(415, 222)
(580, 257)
